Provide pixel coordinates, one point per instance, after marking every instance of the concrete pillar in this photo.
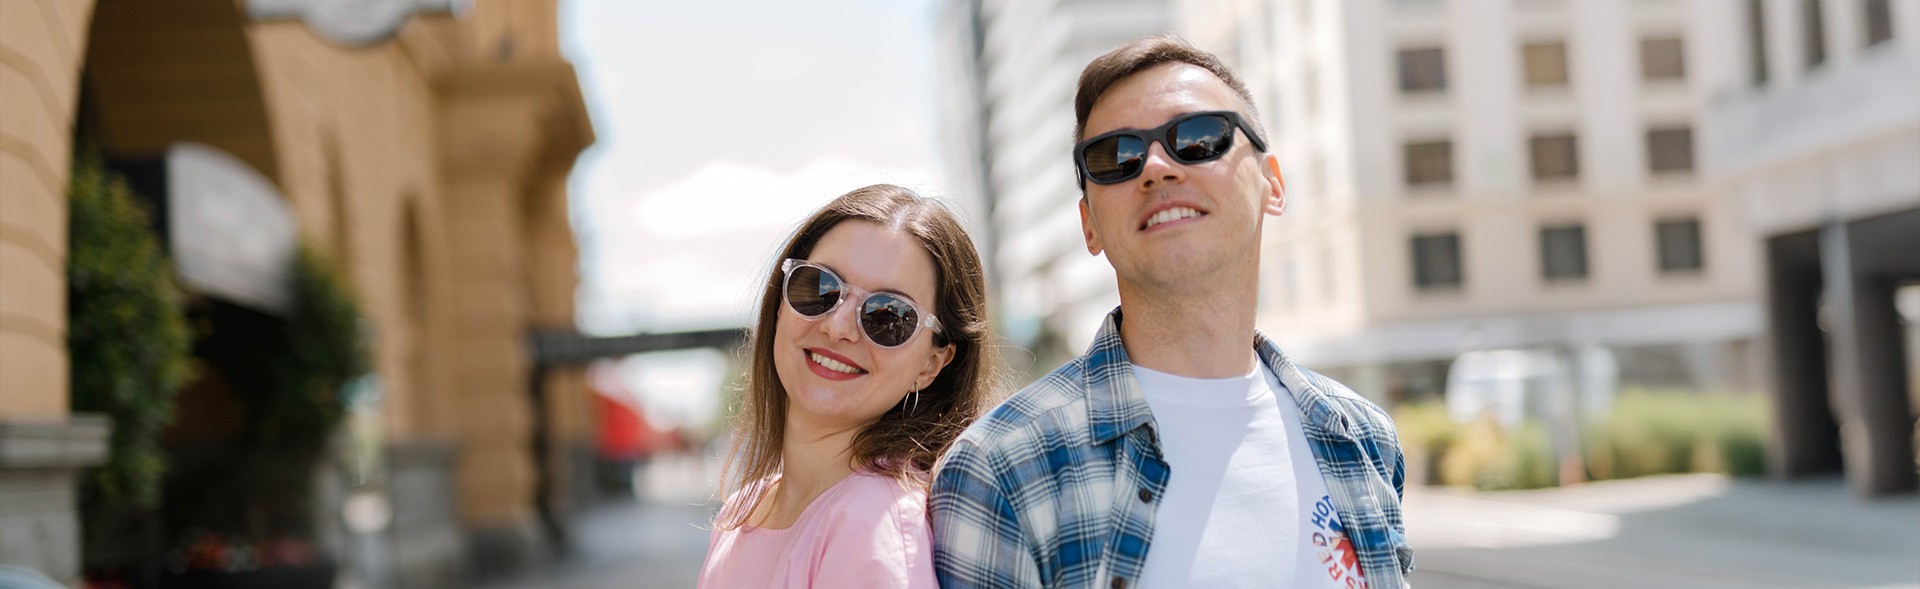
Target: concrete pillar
(1867, 376)
(504, 128)
(1806, 440)
(495, 468)
(43, 446)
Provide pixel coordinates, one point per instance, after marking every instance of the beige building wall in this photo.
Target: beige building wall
(431, 165)
(42, 44)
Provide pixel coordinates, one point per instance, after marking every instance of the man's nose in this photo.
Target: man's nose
(1160, 166)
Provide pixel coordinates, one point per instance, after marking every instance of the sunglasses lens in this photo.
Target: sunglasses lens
(811, 292)
(1202, 138)
(888, 320)
(1114, 158)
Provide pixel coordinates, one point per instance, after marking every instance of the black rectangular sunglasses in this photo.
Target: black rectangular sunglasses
(1118, 156)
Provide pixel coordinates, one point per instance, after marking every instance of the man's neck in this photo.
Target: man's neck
(1198, 334)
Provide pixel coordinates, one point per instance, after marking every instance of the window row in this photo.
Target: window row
(1876, 27)
(1438, 263)
(1552, 156)
(1543, 64)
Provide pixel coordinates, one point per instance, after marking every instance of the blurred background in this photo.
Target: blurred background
(447, 293)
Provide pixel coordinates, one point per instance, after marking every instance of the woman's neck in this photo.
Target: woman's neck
(812, 460)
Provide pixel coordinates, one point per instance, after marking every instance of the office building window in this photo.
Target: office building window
(1546, 64)
(1555, 156)
(1679, 245)
(1423, 70)
(1429, 163)
(1436, 261)
(1662, 58)
(1563, 252)
(1670, 150)
(1879, 15)
(1815, 34)
(1757, 41)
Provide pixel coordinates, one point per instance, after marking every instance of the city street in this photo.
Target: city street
(1696, 531)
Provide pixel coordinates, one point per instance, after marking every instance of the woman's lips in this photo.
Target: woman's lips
(829, 373)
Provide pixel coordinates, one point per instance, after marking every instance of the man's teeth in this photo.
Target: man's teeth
(1173, 214)
(834, 365)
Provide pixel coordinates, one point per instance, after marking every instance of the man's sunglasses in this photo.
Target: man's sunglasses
(1118, 156)
(890, 321)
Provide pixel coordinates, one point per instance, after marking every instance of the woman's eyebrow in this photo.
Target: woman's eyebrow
(891, 291)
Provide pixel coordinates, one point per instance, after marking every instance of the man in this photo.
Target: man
(1184, 449)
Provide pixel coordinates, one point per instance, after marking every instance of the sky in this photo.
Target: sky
(720, 125)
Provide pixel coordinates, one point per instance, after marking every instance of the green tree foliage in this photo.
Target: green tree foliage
(307, 365)
(323, 348)
(127, 335)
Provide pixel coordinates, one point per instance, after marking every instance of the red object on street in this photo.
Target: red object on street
(624, 433)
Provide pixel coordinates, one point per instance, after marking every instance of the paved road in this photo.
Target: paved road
(1695, 531)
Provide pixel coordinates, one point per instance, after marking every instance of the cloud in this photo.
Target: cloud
(690, 254)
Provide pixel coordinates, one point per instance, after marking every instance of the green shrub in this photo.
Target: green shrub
(1427, 433)
(1647, 432)
(1662, 431)
(307, 364)
(127, 335)
(1490, 459)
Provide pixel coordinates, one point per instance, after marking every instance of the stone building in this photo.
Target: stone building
(427, 152)
(1816, 141)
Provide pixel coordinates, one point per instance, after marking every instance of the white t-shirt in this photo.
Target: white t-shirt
(1245, 504)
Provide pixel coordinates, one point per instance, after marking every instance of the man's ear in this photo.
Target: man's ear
(1086, 228)
(1276, 197)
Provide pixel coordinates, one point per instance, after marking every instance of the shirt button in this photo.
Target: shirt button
(1146, 496)
(1118, 583)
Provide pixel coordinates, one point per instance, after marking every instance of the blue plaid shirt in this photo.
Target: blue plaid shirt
(1057, 487)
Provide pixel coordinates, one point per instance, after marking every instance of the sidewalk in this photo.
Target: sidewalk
(1694, 531)
(655, 541)
(634, 545)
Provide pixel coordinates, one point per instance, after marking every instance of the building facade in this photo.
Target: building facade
(1007, 85)
(1816, 142)
(1706, 189)
(426, 153)
(1477, 174)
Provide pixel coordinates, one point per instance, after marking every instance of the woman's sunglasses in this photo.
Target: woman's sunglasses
(1191, 138)
(889, 321)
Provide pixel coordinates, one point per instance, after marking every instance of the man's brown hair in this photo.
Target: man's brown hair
(1138, 56)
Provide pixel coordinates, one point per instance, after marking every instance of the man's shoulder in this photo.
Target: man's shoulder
(1360, 411)
(1050, 407)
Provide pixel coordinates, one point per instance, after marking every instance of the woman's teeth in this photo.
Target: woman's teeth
(834, 365)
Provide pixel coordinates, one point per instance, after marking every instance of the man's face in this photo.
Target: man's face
(1177, 222)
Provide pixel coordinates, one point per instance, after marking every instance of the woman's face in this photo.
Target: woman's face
(836, 378)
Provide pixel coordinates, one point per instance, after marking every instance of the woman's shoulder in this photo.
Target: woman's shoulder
(876, 497)
(866, 488)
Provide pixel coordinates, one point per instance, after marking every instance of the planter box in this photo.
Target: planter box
(319, 576)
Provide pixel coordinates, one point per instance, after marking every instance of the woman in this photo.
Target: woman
(870, 354)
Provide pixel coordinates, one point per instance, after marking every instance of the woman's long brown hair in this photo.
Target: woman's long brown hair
(901, 442)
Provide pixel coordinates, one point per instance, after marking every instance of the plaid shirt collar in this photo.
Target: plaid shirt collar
(1116, 406)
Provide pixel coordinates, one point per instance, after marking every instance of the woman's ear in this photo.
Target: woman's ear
(936, 361)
